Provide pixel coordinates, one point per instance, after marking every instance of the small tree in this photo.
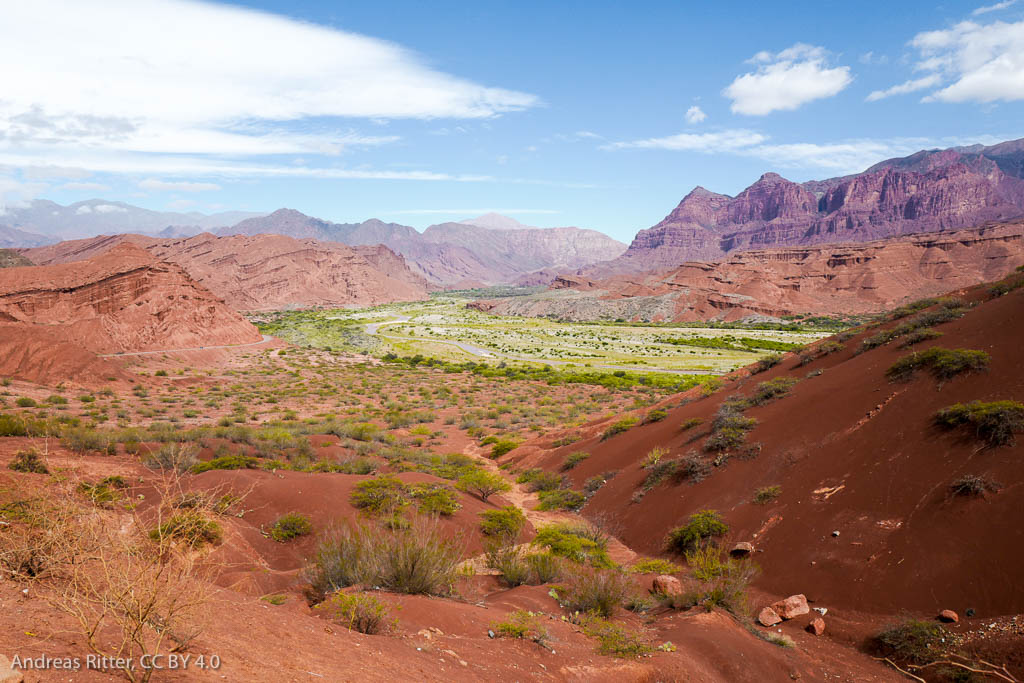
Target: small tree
(482, 483)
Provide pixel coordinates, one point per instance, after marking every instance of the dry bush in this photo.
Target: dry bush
(131, 588)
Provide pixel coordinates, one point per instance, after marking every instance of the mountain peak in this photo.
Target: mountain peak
(496, 221)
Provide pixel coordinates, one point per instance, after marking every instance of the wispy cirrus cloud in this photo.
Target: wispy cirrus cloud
(158, 185)
(786, 80)
(840, 157)
(721, 141)
(993, 8)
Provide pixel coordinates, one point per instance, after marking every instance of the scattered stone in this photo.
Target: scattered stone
(768, 617)
(24, 592)
(793, 606)
(835, 534)
(490, 633)
(742, 549)
(821, 610)
(425, 633)
(663, 584)
(817, 626)
(949, 616)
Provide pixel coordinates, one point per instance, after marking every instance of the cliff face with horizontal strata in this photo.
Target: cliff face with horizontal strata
(120, 300)
(819, 280)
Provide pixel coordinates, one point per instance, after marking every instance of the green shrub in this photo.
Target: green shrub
(721, 581)
(417, 560)
(691, 423)
(85, 439)
(482, 483)
(503, 446)
(659, 472)
(507, 522)
(918, 336)
(574, 459)
(729, 429)
(765, 495)
(29, 462)
(590, 590)
(766, 363)
(57, 400)
(544, 567)
(656, 415)
(360, 612)
(574, 542)
(701, 527)
(913, 641)
(973, 485)
(537, 479)
(943, 363)
(189, 527)
(26, 402)
(615, 640)
(384, 494)
(619, 427)
(772, 389)
(563, 499)
(435, 499)
(995, 422)
(507, 558)
(653, 457)
(234, 461)
(654, 566)
(289, 526)
(105, 492)
(522, 624)
(820, 350)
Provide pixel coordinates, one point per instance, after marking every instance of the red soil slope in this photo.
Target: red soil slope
(121, 300)
(856, 454)
(268, 272)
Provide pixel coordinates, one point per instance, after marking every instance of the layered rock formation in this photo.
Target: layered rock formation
(825, 280)
(121, 300)
(494, 249)
(926, 192)
(269, 272)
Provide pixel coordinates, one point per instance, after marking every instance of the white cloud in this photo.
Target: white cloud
(168, 77)
(786, 81)
(85, 187)
(873, 59)
(994, 8)
(980, 63)
(176, 186)
(99, 208)
(903, 88)
(695, 114)
(475, 212)
(723, 141)
(839, 158)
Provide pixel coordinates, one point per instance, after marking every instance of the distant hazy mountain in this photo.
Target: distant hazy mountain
(53, 222)
(12, 237)
(465, 254)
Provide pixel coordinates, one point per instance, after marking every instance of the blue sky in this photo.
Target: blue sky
(594, 114)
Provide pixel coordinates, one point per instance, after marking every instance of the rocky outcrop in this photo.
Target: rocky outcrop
(270, 272)
(818, 280)
(12, 259)
(121, 300)
(929, 191)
